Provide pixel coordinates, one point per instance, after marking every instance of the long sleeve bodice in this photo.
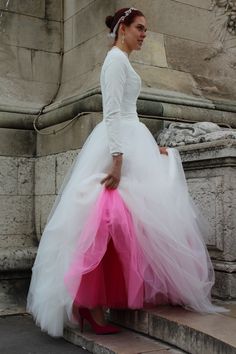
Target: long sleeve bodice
(120, 86)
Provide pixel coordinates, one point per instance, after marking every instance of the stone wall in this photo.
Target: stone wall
(210, 171)
(179, 57)
(18, 243)
(30, 41)
(183, 63)
(17, 227)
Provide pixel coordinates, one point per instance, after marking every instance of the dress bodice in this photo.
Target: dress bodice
(120, 85)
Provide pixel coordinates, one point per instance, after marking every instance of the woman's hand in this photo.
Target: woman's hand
(163, 150)
(111, 181)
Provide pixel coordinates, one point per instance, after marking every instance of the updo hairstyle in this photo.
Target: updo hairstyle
(111, 21)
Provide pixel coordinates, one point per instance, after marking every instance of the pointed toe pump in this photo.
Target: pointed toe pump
(85, 314)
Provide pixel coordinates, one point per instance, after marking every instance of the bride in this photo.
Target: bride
(124, 232)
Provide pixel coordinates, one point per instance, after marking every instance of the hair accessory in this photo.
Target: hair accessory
(127, 12)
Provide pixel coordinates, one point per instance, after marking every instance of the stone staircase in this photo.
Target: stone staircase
(166, 329)
(15, 273)
(126, 342)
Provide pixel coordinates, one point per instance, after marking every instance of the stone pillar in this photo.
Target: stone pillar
(209, 159)
(210, 170)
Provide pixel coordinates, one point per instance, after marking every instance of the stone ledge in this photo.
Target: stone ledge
(223, 266)
(149, 104)
(126, 342)
(17, 259)
(190, 331)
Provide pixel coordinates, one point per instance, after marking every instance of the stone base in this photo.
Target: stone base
(125, 342)
(192, 332)
(15, 274)
(225, 286)
(13, 292)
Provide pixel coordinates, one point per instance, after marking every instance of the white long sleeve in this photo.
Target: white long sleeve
(114, 78)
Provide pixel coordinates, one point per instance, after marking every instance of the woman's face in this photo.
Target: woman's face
(135, 33)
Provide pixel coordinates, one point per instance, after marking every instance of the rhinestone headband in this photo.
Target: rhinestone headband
(127, 12)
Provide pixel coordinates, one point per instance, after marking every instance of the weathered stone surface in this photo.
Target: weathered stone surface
(8, 175)
(35, 8)
(27, 54)
(74, 6)
(71, 138)
(45, 175)
(18, 241)
(15, 259)
(207, 193)
(17, 142)
(229, 210)
(63, 164)
(193, 332)
(153, 51)
(53, 9)
(25, 176)
(125, 342)
(15, 62)
(35, 33)
(183, 133)
(43, 206)
(137, 319)
(45, 67)
(68, 34)
(83, 21)
(212, 185)
(190, 56)
(225, 285)
(13, 294)
(210, 173)
(77, 61)
(175, 18)
(208, 151)
(204, 4)
(217, 88)
(16, 215)
(25, 94)
(169, 81)
(80, 84)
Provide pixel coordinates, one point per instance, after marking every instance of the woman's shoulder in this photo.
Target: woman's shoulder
(115, 55)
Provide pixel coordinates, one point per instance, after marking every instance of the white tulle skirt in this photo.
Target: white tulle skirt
(136, 246)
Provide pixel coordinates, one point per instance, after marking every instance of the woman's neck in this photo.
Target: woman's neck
(123, 47)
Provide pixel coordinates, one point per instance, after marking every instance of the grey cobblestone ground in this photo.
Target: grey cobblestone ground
(19, 335)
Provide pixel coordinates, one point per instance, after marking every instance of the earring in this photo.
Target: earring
(123, 39)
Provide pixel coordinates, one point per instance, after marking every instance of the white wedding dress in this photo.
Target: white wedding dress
(135, 246)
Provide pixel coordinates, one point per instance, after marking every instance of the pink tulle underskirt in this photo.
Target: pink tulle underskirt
(109, 268)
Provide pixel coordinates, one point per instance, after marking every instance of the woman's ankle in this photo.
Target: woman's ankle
(98, 315)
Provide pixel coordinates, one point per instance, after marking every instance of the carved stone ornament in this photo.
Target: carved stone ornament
(227, 9)
(223, 30)
(178, 134)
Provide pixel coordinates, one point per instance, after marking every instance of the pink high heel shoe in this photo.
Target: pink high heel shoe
(84, 314)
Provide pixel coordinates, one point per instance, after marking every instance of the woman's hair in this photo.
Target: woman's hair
(111, 21)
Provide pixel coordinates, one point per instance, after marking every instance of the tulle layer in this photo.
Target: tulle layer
(149, 224)
(109, 268)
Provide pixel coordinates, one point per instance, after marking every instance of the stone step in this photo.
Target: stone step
(16, 258)
(15, 273)
(125, 342)
(189, 331)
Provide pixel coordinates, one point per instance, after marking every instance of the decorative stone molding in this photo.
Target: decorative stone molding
(178, 134)
(223, 29)
(227, 10)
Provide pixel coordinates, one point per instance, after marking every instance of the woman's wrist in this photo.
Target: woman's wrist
(117, 159)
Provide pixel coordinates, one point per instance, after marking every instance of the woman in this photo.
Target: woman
(125, 232)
